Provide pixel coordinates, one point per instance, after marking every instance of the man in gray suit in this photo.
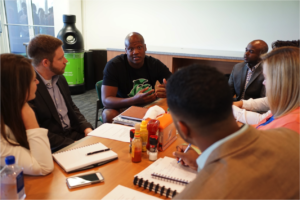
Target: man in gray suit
(53, 105)
(246, 78)
(236, 162)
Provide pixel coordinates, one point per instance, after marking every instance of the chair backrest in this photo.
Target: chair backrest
(98, 89)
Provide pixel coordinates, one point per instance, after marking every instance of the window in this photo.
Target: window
(23, 19)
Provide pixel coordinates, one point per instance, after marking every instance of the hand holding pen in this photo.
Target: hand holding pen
(188, 147)
(187, 156)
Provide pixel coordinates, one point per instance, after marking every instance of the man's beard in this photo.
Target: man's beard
(55, 70)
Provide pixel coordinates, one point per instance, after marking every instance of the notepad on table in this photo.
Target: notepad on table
(120, 193)
(170, 177)
(112, 131)
(77, 159)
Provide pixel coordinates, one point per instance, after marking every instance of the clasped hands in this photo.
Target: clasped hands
(143, 97)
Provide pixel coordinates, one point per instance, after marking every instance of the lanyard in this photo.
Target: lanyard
(267, 122)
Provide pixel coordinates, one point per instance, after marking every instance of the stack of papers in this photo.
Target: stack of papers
(131, 116)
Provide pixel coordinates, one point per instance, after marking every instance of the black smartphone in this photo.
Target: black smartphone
(84, 179)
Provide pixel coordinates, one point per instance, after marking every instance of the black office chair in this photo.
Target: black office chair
(99, 102)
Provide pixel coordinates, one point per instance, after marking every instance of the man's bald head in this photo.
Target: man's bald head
(260, 44)
(253, 52)
(135, 49)
(134, 35)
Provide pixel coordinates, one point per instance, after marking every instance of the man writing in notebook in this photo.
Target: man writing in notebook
(236, 162)
(53, 105)
(129, 79)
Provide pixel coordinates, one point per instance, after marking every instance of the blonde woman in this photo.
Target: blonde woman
(281, 68)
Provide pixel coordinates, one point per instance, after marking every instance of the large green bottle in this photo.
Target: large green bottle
(74, 52)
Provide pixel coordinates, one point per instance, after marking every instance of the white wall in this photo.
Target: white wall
(221, 25)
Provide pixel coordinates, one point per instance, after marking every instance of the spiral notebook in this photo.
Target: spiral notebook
(165, 177)
(77, 159)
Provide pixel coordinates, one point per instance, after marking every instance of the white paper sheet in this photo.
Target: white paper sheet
(121, 193)
(112, 131)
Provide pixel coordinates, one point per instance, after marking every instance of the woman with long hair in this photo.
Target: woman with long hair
(281, 68)
(21, 135)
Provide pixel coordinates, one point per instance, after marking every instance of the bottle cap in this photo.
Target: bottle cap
(137, 127)
(69, 18)
(143, 125)
(153, 140)
(152, 155)
(132, 131)
(10, 160)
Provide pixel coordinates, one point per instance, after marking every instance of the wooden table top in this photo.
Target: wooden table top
(117, 172)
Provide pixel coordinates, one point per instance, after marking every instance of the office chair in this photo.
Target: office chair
(99, 102)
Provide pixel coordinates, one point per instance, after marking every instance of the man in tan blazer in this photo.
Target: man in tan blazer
(236, 162)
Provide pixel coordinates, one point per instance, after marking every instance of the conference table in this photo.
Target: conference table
(117, 172)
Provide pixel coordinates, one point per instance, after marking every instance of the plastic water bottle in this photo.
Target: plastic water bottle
(12, 181)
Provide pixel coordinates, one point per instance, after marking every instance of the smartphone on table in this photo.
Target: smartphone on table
(84, 179)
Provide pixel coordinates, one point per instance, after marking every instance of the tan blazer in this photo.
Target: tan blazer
(253, 165)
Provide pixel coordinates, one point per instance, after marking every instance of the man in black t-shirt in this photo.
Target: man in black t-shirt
(129, 79)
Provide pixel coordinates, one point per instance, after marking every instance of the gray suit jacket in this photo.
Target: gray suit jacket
(255, 88)
(253, 165)
(48, 118)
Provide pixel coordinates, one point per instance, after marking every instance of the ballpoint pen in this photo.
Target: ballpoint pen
(103, 150)
(184, 152)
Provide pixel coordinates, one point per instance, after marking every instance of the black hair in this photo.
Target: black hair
(281, 43)
(200, 94)
(16, 77)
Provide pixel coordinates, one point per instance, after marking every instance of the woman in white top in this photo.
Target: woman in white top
(245, 111)
(21, 135)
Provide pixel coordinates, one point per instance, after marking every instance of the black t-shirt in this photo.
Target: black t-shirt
(119, 73)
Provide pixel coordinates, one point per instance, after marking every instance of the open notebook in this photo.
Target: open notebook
(77, 159)
(165, 176)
